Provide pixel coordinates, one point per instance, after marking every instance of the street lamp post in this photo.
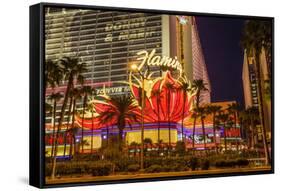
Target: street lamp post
(142, 124)
(135, 68)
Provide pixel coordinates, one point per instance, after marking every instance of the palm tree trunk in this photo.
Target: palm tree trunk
(70, 147)
(67, 125)
(54, 127)
(73, 120)
(214, 132)
(107, 136)
(158, 111)
(204, 134)
(224, 136)
(182, 119)
(83, 116)
(169, 123)
(193, 134)
(235, 125)
(69, 85)
(92, 133)
(252, 135)
(120, 139)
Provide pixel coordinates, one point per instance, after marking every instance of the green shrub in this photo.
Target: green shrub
(194, 163)
(180, 148)
(133, 167)
(101, 169)
(205, 165)
(96, 168)
(122, 164)
(153, 168)
(242, 162)
(232, 163)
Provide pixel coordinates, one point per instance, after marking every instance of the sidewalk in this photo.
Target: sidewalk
(89, 178)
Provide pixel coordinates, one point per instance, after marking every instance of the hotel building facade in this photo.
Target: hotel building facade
(250, 85)
(108, 41)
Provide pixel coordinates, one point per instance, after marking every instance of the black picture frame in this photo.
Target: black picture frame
(37, 96)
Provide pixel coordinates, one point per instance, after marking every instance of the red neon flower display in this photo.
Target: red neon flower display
(167, 104)
(170, 98)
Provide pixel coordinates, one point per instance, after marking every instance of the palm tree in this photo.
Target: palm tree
(73, 131)
(256, 36)
(157, 94)
(147, 142)
(71, 95)
(185, 87)
(91, 108)
(224, 117)
(250, 119)
(214, 110)
(86, 91)
(233, 110)
(53, 73)
(194, 117)
(55, 97)
(135, 145)
(48, 108)
(72, 70)
(170, 88)
(199, 86)
(201, 111)
(121, 111)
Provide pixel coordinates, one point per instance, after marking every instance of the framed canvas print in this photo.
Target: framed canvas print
(124, 95)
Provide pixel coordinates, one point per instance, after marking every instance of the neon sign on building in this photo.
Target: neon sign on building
(150, 59)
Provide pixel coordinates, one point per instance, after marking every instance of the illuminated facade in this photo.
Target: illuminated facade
(249, 82)
(250, 85)
(108, 41)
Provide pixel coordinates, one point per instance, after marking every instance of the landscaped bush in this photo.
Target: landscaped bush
(232, 163)
(194, 163)
(96, 168)
(242, 162)
(133, 167)
(122, 164)
(205, 165)
(86, 157)
(154, 168)
(101, 169)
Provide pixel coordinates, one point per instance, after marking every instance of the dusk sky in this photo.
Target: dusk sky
(220, 40)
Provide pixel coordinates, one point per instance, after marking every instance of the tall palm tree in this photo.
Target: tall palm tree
(224, 117)
(170, 88)
(72, 70)
(256, 36)
(233, 109)
(157, 94)
(55, 97)
(194, 116)
(201, 111)
(86, 91)
(121, 111)
(91, 109)
(250, 119)
(73, 131)
(66, 133)
(214, 110)
(199, 86)
(53, 73)
(185, 87)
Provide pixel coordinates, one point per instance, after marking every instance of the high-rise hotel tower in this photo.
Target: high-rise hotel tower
(108, 41)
